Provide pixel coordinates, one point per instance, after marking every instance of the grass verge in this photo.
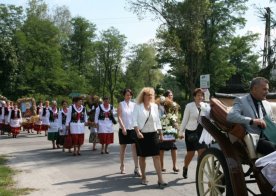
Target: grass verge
(7, 184)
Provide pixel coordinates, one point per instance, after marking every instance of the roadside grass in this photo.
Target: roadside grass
(7, 184)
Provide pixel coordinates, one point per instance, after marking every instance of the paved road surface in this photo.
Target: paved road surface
(52, 172)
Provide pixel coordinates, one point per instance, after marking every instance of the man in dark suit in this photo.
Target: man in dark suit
(249, 111)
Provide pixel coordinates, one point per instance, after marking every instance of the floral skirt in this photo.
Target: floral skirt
(93, 137)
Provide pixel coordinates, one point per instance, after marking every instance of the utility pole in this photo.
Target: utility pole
(267, 48)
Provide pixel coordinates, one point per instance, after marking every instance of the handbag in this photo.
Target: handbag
(270, 130)
(193, 136)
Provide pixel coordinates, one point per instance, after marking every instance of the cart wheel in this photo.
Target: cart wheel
(212, 175)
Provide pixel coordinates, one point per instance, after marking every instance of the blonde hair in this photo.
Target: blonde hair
(143, 92)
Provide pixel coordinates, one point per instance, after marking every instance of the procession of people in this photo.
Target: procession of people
(150, 125)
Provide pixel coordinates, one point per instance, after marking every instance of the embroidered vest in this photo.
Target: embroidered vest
(13, 114)
(104, 114)
(77, 116)
(44, 111)
(63, 118)
(53, 116)
(6, 112)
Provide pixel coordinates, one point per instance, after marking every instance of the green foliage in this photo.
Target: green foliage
(109, 51)
(196, 39)
(142, 68)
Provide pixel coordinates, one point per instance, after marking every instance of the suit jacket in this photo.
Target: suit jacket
(140, 116)
(244, 110)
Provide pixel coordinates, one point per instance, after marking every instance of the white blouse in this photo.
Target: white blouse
(54, 126)
(16, 122)
(76, 127)
(45, 119)
(127, 111)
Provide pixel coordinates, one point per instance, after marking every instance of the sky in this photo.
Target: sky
(107, 13)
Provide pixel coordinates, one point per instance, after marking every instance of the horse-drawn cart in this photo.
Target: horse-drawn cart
(227, 167)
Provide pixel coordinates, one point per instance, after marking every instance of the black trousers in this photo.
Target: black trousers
(265, 147)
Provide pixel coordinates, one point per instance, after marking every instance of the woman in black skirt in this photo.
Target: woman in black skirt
(192, 129)
(127, 134)
(147, 123)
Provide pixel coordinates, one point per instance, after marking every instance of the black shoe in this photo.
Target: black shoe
(162, 185)
(185, 172)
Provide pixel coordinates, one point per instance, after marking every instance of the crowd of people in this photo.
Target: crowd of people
(150, 125)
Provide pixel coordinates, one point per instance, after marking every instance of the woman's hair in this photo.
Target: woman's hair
(76, 99)
(143, 92)
(198, 90)
(166, 94)
(63, 101)
(127, 90)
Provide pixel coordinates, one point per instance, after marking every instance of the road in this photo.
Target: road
(53, 172)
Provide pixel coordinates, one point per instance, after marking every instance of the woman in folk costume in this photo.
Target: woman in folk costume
(15, 120)
(127, 134)
(7, 110)
(62, 120)
(93, 137)
(104, 119)
(53, 125)
(44, 117)
(38, 123)
(76, 121)
(2, 119)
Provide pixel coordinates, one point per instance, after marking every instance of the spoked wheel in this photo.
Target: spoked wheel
(212, 175)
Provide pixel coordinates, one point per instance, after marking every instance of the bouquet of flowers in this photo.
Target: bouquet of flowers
(168, 123)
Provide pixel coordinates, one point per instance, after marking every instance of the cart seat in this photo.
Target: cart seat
(219, 114)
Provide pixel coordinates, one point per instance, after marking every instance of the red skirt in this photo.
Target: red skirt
(37, 127)
(28, 126)
(106, 138)
(77, 139)
(44, 128)
(15, 130)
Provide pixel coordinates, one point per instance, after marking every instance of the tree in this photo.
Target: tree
(37, 8)
(80, 44)
(10, 22)
(195, 37)
(62, 19)
(40, 57)
(142, 68)
(110, 50)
